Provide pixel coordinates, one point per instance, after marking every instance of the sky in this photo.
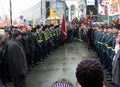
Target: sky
(17, 6)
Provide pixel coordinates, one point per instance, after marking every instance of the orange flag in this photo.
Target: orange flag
(6, 21)
(64, 31)
(52, 13)
(6, 18)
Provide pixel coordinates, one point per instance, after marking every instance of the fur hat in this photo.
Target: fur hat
(17, 32)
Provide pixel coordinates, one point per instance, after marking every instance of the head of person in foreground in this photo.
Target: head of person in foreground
(89, 73)
(62, 83)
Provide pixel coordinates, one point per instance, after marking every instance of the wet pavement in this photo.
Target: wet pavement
(60, 64)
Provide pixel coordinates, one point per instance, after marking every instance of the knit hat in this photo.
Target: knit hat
(62, 83)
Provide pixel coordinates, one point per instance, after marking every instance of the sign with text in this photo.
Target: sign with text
(90, 2)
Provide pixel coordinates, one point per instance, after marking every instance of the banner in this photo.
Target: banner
(108, 7)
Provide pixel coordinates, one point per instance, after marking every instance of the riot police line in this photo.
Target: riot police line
(22, 48)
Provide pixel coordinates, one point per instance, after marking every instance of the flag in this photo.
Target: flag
(6, 21)
(52, 13)
(6, 18)
(15, 22)
(64, 31)
(34, 22)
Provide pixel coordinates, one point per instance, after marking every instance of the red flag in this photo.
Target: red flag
(64, 31)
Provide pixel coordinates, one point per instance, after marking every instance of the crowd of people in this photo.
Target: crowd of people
(105, 41)
(22, 48)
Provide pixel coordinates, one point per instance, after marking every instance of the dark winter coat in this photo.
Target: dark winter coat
(4, 73)
(16, 59)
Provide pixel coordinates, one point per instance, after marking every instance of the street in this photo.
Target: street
(60, 64)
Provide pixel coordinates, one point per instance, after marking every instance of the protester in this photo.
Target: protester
(17, 60)
(2, 34)
(4, 65)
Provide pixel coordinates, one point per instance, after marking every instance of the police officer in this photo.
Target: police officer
(103, 55)
(98, 39)
(40, 39)
(111, 46)
(46, 37)
(35, 48)
(57, 33)
(106, 46)
(50, 31)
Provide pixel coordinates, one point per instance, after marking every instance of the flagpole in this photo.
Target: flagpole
(10, 12)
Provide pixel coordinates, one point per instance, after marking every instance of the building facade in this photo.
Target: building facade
(41, 10)
(60, 8)
(36, 12)
(77, 8)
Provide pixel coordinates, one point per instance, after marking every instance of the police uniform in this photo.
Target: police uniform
(99, 47)
(106, 49)
(46, 43)
(104, 55)
(98, 38)
(39, 36)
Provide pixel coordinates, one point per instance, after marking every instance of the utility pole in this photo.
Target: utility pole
(10, 12)
(41, 9)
